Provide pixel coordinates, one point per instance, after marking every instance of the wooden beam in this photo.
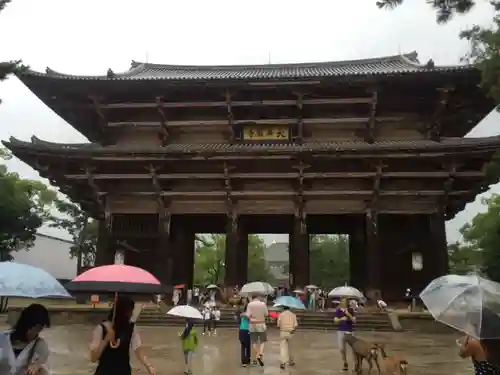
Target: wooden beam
(434, 129)
(372, 121)
(291, 194)
(163, 120)
(282, 121)
(230, 117)
(281, 176)
(98, 108)
(239, 103)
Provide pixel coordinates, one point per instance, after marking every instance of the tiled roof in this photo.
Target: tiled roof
(399, 64)
(410, 146)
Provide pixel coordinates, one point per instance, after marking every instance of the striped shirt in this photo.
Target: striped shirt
(287, 321)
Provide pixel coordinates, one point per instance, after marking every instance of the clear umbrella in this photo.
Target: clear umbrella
(346, 291)
(470, 304)
(257, 287)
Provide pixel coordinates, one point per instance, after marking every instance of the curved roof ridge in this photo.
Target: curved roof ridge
(310, 64)
(137, 67)
(41, 142)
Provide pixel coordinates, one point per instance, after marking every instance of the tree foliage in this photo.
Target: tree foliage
(24, 205)
(484, 41)
(329, 260)
(82, 229)
(464, 259)
(210, 259)
(482, 235)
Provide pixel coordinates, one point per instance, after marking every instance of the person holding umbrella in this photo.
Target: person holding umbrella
(22, 350)
(485, 354)
(113, 339)
(344, 317)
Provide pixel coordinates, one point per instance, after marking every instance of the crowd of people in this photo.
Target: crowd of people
(24, 352)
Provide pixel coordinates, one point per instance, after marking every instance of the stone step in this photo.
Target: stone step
(309, 320)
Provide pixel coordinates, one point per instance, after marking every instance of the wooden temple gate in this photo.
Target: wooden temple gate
(371, 148)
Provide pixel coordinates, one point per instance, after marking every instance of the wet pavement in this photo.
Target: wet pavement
(314, 352)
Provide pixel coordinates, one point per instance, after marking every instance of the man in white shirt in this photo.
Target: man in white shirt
(257, 313)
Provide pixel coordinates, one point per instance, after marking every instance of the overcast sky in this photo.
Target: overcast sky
(88, 37)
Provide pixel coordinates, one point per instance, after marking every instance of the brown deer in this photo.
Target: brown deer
(394, 364)
(363, 350)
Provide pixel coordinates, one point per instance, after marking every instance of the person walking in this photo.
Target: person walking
(206, 313)
(22, 350)
(287, 324)
(189, 345)
(113, 339)
(216, 319)
(244, 337)
(257, 313)
(345, 319)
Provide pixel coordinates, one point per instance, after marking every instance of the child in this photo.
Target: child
(189, 344)
(216, 315)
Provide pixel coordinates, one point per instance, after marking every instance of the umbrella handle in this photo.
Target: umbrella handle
(114, 343)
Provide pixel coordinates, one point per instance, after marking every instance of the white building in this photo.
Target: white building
(50, 254)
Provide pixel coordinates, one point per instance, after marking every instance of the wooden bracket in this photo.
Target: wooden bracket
(300, 124)
(448, 186)
(300, 212)
(163, 120)
(103, 122)
(95, 189)
(372, 122)
(230, 117)
(231, 209)
(434, 128)
(376, 186)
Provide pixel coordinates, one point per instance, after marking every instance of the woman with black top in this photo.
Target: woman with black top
(485, 354)
(22, 350)
(111, 342)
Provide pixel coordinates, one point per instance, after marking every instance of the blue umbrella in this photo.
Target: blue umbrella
(21, 280)
(291, 302)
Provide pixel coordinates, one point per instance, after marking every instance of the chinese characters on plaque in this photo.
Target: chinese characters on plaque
(266, 133)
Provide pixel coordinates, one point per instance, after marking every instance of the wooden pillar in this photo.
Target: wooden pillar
(439, 244)
(189, 261)
(105, 252)
(231, 278)
(242, 256)
(163, 254)
(181, 236)
(357, 258)
(373, 256)
(299, 264)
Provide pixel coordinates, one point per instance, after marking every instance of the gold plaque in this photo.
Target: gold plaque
(266, 133)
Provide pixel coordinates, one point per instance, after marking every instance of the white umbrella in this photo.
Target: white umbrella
(185, 311)
(312, 287)
(257, 287)
(298, 291)
(346, 292)
(212, 286)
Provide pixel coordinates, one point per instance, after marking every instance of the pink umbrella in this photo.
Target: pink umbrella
(116, 278)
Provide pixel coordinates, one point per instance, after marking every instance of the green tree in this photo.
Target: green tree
(82, 229)
(483, 235)
(464, 258)
(484, 41)
(24, 205)
(329, 260)
(210, 259)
